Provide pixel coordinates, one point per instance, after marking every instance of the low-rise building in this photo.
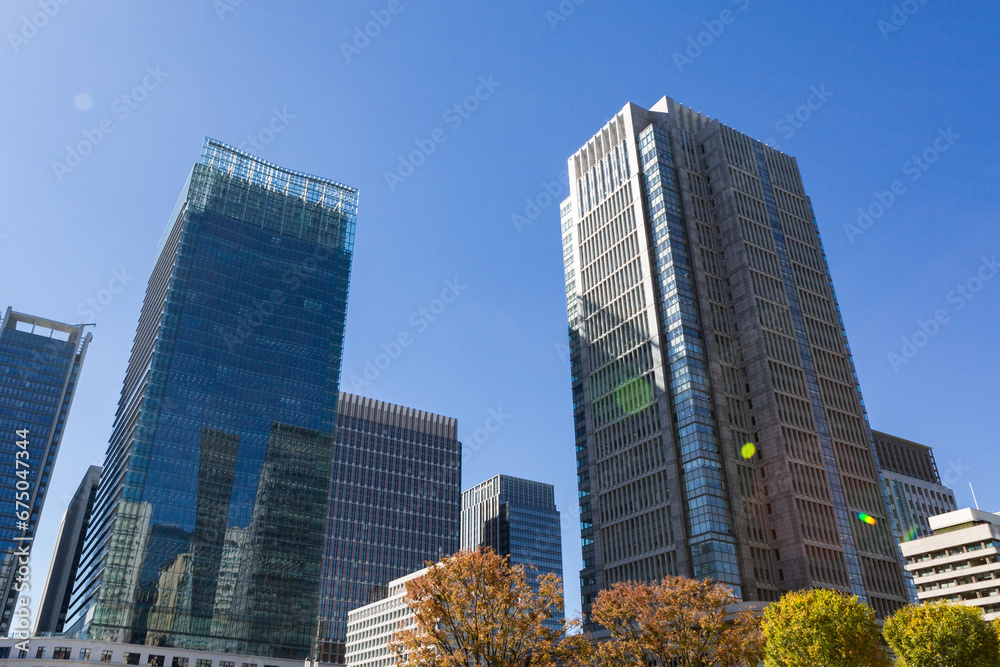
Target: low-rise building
(960, 562)
(62, 651)
(370, 628)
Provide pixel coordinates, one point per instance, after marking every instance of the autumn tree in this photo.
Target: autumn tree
(677, 619)
(822, 628)
(474, 608)
(942, 635)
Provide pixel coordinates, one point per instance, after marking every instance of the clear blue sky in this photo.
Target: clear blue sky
(350, 117)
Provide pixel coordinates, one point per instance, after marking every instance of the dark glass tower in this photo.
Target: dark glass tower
(40, 363)
(394, 505)
(66, 557)
(516, 518)
(207, 529)
(720, 429)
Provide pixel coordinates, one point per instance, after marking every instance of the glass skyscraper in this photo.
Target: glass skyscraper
(207, 532)
(40, 362)
(394, 506)
(720, 429)
(516, 518)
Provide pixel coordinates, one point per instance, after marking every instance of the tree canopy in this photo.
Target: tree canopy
(942, 635)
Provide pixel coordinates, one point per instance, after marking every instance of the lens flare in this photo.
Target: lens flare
(911, 534)
(748, 450)
(867, 518)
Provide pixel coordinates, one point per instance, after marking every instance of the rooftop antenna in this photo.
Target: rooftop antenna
(973, 495)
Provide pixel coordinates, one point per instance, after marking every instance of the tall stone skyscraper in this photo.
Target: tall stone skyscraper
(394, 506)
(208, 526)
(40, 363)
(720, 430)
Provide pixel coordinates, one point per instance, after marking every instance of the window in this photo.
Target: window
(105, 656)
(226, 663)
(130, 658)
(85, 655)
(249, 664)
(202, 662)
(155, 660)
(179, 662)
(61, 653)
(40, 653)
(4, 652)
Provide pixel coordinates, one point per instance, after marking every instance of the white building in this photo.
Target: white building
(960, 562)
(59, 651)
(370, 628)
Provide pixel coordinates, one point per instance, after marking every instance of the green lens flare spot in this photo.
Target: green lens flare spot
(867, 518)
(633, 395)
(748, 450)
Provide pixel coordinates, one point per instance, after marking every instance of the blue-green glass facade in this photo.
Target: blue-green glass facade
(40, 362)
(711, 540)
(208, 527)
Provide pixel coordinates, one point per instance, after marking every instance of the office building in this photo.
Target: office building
(394, 506)
(76, 652)
(66, 556)
(915, 489)
(720, 428)
(960, 561)
(207, 531)
(370, 628)
(40, 362)
(516, 518)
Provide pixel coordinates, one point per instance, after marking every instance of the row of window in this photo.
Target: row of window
(128, 657)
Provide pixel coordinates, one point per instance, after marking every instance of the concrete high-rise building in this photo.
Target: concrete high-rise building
(720, 429)
(40, 362)
(516, 518)
(960, 561)
(207, 531)
(66, 556)
(915, 489)
(394, 506)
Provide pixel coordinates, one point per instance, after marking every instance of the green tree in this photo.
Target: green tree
(678, 619)
(942, 635)
(822, 628)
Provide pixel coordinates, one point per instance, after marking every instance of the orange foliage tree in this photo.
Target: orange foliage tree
(474, 608)
(677, 619)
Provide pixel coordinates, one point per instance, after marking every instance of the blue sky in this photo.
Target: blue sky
(146, 82)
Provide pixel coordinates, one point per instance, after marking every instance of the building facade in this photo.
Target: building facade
(915, 489)
(516, 518)
(207, 531)
(75, 652)
(370, 628)
(720, 429)
(40, 363)
(66, 556)
(960, 561)
(393, 506)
